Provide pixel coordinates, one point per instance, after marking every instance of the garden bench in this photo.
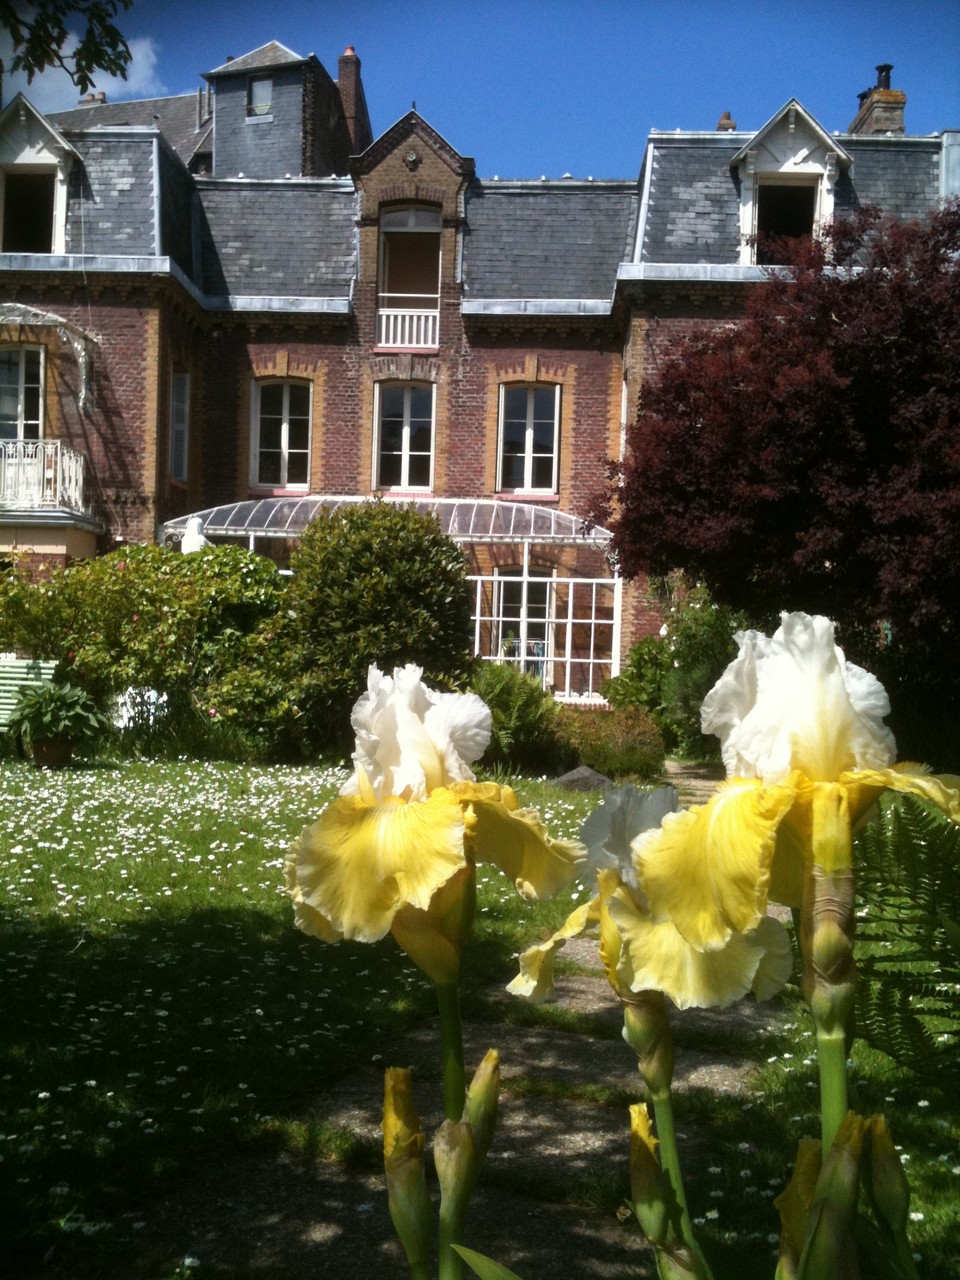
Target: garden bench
(17, 674)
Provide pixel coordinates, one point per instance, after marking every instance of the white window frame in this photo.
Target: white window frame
(528, 454)
(521, 650)
(21, 388)
(179, 425)
(259, 110)
(283, 483)
(404, 486)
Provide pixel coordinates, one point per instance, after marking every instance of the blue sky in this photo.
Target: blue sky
(547, 87)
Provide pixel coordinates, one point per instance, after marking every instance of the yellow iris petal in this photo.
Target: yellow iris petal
(359, 864)
(535, 979)
(434, 938)
(655, 956)
(516, 840)
(708, 868)
(864, 785)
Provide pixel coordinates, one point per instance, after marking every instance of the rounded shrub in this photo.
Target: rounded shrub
(620, 742)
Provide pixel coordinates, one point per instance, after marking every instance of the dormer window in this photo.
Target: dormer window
(787, 174)
(408, 301)
(259, 95)
(28, 204)
(35, 162)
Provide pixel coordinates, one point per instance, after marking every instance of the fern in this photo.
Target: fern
(908, 889)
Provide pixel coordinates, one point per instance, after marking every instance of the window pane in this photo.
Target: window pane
(299, 401)
(269, 472)
(421, 403)
(544, 403)
(512, 473)
(271, 399)
(420, 471)
(420, 438)
(31, 367)
(391, 436)
(514, 437)
(390, 473)
(391, 402)
(515, 404)
(297, 468)
(271, 436)
(299, 435)
(542, 473)
(543, 437)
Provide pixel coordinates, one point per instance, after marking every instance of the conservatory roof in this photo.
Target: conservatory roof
(462, 519)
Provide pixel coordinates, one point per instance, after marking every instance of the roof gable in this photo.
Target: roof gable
(412, 126)
(27, 138)
(792, 136)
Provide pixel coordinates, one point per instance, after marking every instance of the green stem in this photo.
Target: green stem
(451, 1049)
(451, 1232)
(670, 1163)
(832, 1058)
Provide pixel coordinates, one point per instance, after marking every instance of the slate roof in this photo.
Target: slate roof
(268, 55)
(278, 239)
(550, 240)
(175, 117)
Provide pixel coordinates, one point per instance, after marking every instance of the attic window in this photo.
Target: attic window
(783, 213)
(259, 95)
(28, 204)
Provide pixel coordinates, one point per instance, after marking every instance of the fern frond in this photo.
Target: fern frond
(908, 890)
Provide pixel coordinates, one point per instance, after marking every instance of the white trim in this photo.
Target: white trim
(528, 450)
(406, 387)
(257, 385)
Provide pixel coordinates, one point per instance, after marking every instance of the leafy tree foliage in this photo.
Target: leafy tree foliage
(39, 34)
(809, 457)
(374, 583)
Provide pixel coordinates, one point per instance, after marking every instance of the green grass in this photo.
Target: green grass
(159, 1008)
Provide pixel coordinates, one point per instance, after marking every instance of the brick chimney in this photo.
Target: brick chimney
(725, 124)
(881, 108)
(354, 100)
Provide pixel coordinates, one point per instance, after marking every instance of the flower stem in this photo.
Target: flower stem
(670, 1163)
(832, 1059)
(451, 1048)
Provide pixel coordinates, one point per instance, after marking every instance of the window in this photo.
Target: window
(179, 424)
(21, 381)
(404, 444)
(259, 95)
(529, 438)
(28, 207)
(525, 617)
(409, 296)
(783, 213)
(280, 453)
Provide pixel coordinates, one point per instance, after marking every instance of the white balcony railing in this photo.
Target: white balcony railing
(41, 474)
(406, 327)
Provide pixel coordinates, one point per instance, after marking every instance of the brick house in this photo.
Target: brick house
(239, 304)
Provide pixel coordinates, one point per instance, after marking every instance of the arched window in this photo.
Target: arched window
(529, 450)
(280, 435)
(404, 438)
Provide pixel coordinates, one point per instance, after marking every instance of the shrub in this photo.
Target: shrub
(372, 583)
(670, 674)
(621, 742)
(56, 711)
(526, 735)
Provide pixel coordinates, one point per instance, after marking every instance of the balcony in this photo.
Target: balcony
(41, 475)
(408, 327)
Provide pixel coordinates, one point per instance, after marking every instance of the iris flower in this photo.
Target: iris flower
(640, 952)
(806, 752)
(396, 851)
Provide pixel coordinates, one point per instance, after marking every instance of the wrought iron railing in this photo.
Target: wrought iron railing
(41, 474)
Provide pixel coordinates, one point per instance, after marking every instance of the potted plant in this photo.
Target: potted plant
(52, 718)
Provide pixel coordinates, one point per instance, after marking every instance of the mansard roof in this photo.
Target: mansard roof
(272, 54)
(182, 119)
(556, 241)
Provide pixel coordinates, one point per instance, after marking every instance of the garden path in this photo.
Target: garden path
(294, 1219)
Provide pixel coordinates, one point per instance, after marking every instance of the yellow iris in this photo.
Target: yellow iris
(640, 952)
(396, 851)
(802, 737)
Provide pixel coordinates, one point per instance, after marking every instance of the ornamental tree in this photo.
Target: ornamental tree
(809, 457)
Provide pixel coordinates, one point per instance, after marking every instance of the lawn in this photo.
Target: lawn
(159, 1009)
(158, 1004)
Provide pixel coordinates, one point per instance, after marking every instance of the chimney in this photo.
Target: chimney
(89, 100)
(101, 97)
(881, 108)
(725, 124)
(354, 100)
